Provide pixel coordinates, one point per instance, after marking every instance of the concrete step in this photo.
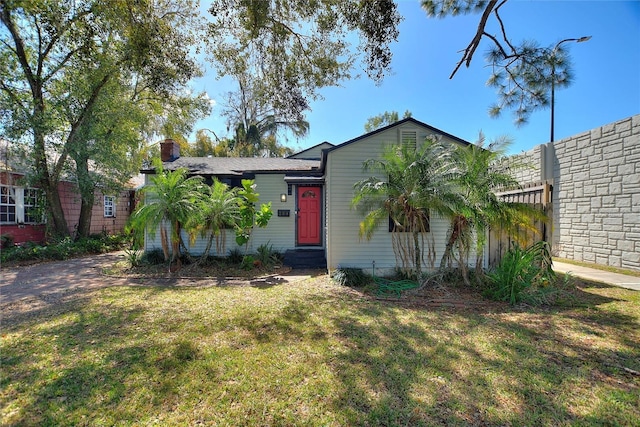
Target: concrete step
(305, 258)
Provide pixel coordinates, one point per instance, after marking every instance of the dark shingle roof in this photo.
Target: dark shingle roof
(240, 165)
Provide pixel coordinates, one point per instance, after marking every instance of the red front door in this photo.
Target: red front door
(309, 202)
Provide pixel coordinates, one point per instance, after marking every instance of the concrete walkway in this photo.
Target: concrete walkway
(616, 279)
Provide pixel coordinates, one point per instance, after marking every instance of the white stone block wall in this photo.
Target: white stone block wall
(596, 193)
(526, 166)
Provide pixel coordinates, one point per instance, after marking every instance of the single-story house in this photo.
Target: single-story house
(311, 193)
(22, 218)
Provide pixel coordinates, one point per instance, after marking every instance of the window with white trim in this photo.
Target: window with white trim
(32, 215)
(109, 206)
(8, 205)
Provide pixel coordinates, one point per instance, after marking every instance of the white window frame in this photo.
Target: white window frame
(30, 197)
(8, 200)
(23, 200)
(109, 203)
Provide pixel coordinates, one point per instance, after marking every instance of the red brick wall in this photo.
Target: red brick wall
(99, 224)
(24, 233)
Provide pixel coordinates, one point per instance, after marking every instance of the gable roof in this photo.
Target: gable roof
(309, 152)
(239, 165)
(399, 123)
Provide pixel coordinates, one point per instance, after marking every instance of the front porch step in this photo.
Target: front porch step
(305, 258)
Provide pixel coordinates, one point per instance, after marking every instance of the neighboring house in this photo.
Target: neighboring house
(311, 195)
(20, 218)
(23, 218)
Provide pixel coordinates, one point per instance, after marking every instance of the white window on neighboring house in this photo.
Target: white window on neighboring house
(109, 206)
(32, 215)
(19, 205)
(409, 138)
(7, 205)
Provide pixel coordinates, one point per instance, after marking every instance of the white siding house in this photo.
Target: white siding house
(323, 178)
(343, 168)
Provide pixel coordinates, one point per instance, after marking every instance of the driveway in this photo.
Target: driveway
(58, 277)
(50, 281)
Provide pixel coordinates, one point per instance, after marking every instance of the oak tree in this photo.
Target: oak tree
(73, 72)
(296, 48)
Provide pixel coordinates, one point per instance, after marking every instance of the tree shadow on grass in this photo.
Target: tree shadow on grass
(482, 368)
(90, 360)
(389, 364)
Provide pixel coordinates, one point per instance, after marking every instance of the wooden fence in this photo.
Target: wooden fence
(539, 197)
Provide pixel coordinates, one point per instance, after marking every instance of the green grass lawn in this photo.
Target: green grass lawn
(313, 353)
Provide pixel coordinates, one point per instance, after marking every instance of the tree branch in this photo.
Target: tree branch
(75, 126)
(502, 28)
(470, 50)
(20, 51)
(10, 92)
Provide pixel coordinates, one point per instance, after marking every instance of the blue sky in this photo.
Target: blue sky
(606, 85)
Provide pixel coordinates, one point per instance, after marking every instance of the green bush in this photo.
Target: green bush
(65, 248)
(235, 256)
(351, 277)
(153, 257)
(248, 262)
(134, 257)
(6, 241)
(268, 256)
(521, 272)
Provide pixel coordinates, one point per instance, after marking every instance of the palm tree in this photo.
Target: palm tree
(256, 122)
(220, 210)
(482, 173)
(418, 182)
(172, 199)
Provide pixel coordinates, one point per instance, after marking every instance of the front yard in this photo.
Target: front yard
(314, 353)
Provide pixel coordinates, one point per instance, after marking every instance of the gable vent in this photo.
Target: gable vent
(409, 138)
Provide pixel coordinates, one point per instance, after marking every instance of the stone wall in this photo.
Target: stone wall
(596, 193)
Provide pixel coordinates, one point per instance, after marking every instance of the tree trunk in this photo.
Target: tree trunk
(207, 249)
(49, 185)
(87, 197)
(418, 254)
(84, 222)
(164, 242)
(457, 226)
(54, 205)
(175, 245)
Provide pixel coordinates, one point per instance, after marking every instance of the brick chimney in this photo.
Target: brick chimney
(169, 150)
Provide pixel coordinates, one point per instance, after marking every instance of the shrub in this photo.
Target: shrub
(65, 248)
(235, 256)
(6, 241)
(268, 256)
(351, 277)
(248, 262)
(153, 257)
(91, 245)
(519, 272)
(134, 257)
